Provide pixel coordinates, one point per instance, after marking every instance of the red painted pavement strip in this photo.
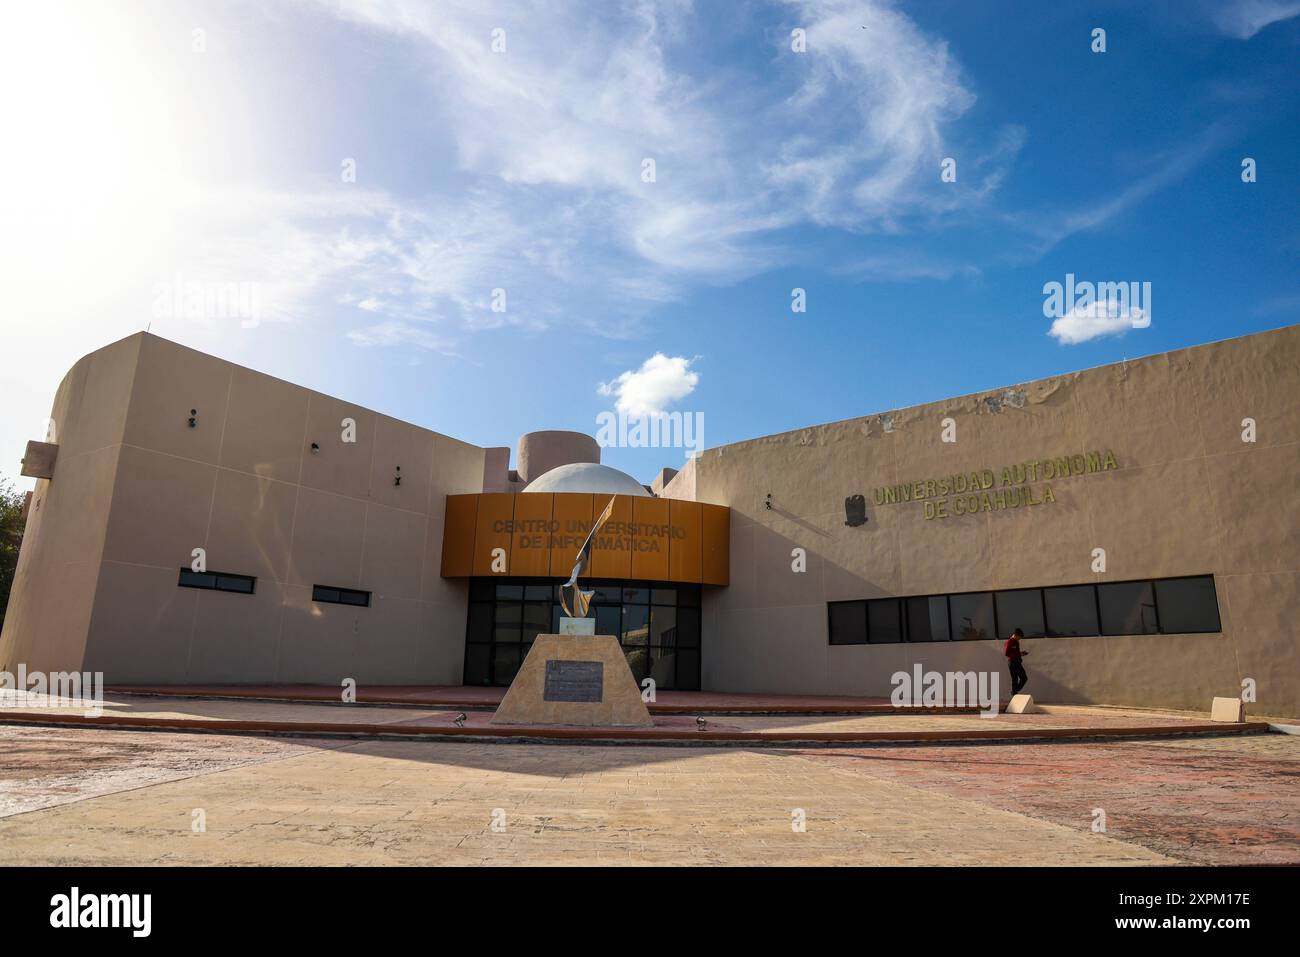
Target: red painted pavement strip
(420, 728)
(1198, 803)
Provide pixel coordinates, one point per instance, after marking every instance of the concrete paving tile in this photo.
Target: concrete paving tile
(412, 803)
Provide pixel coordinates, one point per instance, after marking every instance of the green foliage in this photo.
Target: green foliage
(11, 535)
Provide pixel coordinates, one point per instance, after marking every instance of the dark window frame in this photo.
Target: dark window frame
(1151, 584)
(900, 620)
(993, 606)
(906, 623)
(339, 596)
(1214, 590)
(1096, 609)
(687, 662)
(1042, 608)
(830, 640)
(215, 581)
(907, 619)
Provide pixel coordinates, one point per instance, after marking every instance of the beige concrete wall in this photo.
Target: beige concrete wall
(135, 490)
(58, 567)
(245, 486)
(1189, 497)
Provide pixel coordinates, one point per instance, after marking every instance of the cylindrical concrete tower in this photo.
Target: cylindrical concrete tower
(539, 452)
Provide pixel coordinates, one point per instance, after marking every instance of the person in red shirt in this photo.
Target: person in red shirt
(1018, 677)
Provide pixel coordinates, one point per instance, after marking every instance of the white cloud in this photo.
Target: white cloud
(1100, 318)
(661, 381)
(847, 134)
(1244, 18)
(394, 332)
(548, 201)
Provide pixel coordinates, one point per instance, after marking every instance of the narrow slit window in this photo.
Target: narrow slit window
(217, 581)
(329, 595)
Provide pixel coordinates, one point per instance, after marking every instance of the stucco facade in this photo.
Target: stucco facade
(136, 489)
(1149, 465)
(1188, 497)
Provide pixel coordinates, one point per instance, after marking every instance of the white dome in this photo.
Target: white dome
(587, 477)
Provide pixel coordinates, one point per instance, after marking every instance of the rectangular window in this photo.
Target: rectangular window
(688, 669)
(663, 626)
(507, 621)
(638, 662)
(217, 581)
(663, 666)
(605, 594)
(884, 621)
(636, 625)
(1166, 606)
(608, 618)
(505, 663)
(658, 626)
(1071, 611)
(478, 664)
(537, 619)
(972, 616)
(848, 622)
(479, 628)
(688, 628)
(1127, 608)
(927, 619)
(328, 595)
(1187, 605)
(1023, 609)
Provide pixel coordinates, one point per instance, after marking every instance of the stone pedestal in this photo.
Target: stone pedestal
(1227, 709)
(580, 680)
(1021, 704)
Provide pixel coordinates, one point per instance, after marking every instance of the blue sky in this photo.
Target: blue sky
(146, 156)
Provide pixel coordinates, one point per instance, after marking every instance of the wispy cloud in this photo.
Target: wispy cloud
(1245, 18)
(556, 131)
(550, 217)
(1047, 228)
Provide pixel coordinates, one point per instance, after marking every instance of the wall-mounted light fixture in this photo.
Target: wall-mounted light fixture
(397, 476)
(768, 503)
(314, 448)
(194, 417)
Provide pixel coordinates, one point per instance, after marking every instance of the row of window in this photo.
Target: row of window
(514, 621)
(246, 585)
(1169, 606)
(657, 624)
(603, 593)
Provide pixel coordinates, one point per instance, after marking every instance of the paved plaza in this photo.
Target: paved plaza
(116, 797)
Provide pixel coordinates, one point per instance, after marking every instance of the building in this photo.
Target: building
(1139, 521)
